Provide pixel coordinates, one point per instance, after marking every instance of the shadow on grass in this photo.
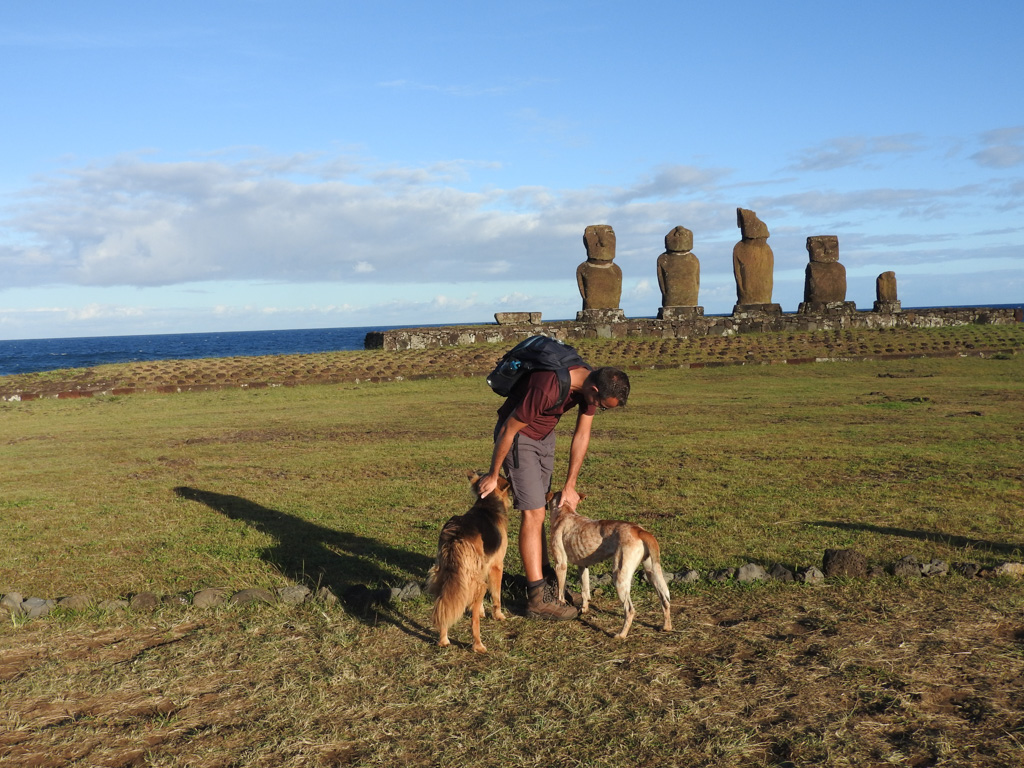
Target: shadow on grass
(964, 542)
(316, 556)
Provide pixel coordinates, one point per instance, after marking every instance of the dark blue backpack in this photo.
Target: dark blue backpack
(537, 353)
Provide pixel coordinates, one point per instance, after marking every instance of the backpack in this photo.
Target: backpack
(537, 353)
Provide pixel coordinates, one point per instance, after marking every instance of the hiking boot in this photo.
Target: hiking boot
(543, 605)
(551, 588)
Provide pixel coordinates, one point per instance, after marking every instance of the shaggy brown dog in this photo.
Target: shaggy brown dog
(581, 541)
(470, 558)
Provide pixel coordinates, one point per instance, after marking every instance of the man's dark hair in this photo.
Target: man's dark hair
(611, 382)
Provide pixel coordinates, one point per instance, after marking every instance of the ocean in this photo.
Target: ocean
(35, 355)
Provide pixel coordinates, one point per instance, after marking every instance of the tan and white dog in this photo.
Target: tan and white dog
(581, 541)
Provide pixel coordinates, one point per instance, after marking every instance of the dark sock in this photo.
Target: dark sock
(532, 586)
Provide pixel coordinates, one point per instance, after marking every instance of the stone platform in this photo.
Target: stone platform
(746, 321)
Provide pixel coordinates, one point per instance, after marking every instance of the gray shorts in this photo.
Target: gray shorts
(528, 468)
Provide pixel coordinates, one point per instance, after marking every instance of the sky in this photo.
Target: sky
(248, 165)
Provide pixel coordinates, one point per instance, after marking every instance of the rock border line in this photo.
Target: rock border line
(836, 564)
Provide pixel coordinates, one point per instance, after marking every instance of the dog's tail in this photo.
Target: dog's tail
(652, 549)
(452, 579)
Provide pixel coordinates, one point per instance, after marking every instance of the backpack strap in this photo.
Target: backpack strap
(564, 385)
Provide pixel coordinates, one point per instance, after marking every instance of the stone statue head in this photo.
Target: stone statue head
(750, 226)
(599, 240)
(823, 249)
(679, 240)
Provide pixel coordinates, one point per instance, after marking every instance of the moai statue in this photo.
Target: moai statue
(598, 278)
(825, 278)
(753, 263)
(885, 293)
(678, 276)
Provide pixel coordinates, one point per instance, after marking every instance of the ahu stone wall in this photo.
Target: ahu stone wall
(746, 319)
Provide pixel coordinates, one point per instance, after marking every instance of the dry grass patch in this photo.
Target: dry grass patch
(852, 674)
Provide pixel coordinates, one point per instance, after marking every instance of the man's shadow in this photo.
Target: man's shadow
(316, 556)
(960, 542)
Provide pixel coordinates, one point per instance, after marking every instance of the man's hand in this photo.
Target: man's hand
(486, 485)
(570, 498)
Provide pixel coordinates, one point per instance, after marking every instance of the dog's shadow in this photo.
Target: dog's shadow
(611, 622)
(317, 556)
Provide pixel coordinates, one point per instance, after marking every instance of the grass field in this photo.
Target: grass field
(337, 484)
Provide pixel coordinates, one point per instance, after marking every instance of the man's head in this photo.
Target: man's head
(606, 388)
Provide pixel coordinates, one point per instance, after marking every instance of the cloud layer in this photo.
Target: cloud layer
(142, 222)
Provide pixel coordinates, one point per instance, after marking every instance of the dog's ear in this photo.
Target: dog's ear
(548, 497)
(503, 484)
(583, 496)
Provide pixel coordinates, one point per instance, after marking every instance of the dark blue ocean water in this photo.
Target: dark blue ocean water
(32, 355)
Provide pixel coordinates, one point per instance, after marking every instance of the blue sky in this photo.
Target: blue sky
(198, 166)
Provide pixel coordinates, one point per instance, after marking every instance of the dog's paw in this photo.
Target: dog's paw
(499, 616)
(479, 647)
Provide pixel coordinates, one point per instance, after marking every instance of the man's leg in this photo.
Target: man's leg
(531, 543)
(529, 468)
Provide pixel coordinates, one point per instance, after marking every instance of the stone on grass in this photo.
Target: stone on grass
(34, 607)
(687, 577)
(74, 602)
(810, 575)
(722, 575)
(252, 595)
(408, 591)
(178, 599)
(209, 598)
(934, 568)
(1013, 570)
(358, 596)
(780, 573)
(109, 606)
(907, 567)
(967, 570)
(751, 572)
(326, 596)
(144, 601)
(847, 563)
(12, 603)
(293, 594)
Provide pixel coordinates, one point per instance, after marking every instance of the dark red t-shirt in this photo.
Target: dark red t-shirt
(534, 402)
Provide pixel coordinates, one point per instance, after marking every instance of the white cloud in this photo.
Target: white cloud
(641, 289)
(1004, 148)
(846, 151)
(245, 217)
